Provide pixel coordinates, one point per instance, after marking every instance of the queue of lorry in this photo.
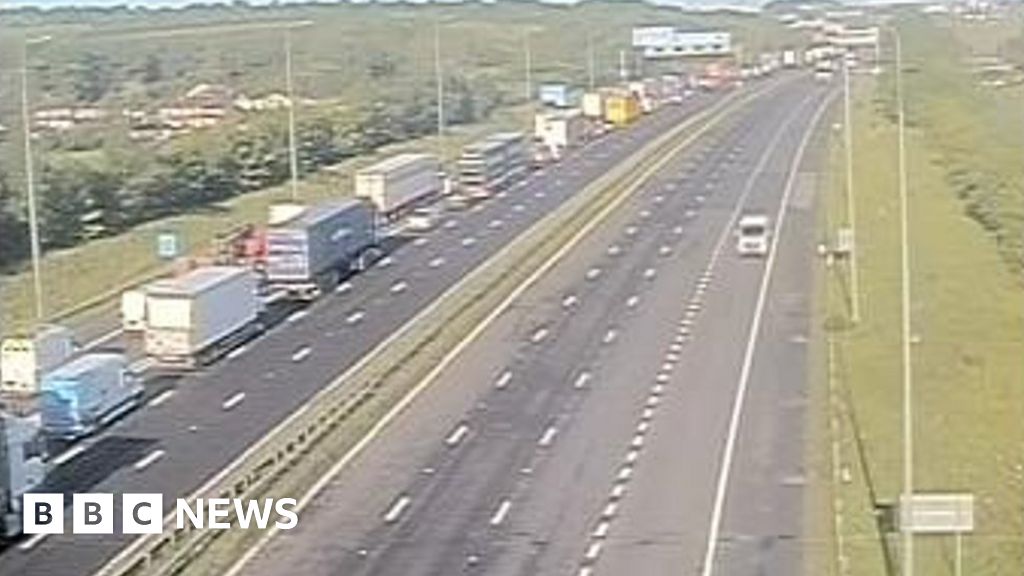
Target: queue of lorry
(213, 303)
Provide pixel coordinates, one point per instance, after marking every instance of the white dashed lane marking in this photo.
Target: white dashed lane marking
(457, 435)
(582, 380)
(548, 437)
(233, 401)
(503, 380)
(397, 509)
(501, 513)
(148, 460)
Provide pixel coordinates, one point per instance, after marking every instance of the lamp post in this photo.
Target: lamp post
(908, 397)
(293, 153)
(439, 80)
(30, 187)
(591, 61)
(851, 208)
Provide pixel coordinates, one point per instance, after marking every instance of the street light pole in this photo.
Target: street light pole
(30, 186)
(851, 208)
(908, 423)
(439, 79)
(591, 64)
(529, 68)
(293, 156)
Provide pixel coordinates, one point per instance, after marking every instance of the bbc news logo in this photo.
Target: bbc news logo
(94, 513)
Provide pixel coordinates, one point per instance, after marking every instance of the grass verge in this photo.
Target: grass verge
(82, 283)
(967, 333)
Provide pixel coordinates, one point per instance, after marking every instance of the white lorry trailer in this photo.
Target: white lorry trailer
(23, 361)
(400, 183)
(593, 105)
(193, 319)
(561, 130)
(790, 58)
(133, 310)
(87, 393)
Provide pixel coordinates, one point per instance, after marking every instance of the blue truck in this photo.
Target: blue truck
(309, 253)
(87, 393)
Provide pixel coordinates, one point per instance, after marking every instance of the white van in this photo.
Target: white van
(133, 310)
(753, 236)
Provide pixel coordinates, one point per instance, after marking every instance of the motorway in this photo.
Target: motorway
(191, 427)
(638, 411)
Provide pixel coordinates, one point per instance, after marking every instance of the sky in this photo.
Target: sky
(164, 3)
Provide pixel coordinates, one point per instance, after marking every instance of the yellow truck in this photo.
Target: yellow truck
(621, 110)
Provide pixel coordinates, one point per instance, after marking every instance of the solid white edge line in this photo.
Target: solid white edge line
(725, 469)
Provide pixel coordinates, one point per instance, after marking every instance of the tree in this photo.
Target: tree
(152, 70)
(63, 201)
(13, 229)
(93, 78)
(381, 65)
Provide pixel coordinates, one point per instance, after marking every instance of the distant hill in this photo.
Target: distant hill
(793, 5)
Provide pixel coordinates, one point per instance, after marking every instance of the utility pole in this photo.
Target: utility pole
(591, 64)
(529, 67)
(908, 398)
(30, 186)
(293, 156)
(439, 79)
(623, 72)
(851, 208)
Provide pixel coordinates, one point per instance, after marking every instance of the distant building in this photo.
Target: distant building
(273, 101)
(62, 119)
(203, 106)
(808, 24)
(209, 96)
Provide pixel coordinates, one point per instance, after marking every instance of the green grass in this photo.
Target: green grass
(333, 53)
(969, 402)
(482, 44)
(74, 276)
